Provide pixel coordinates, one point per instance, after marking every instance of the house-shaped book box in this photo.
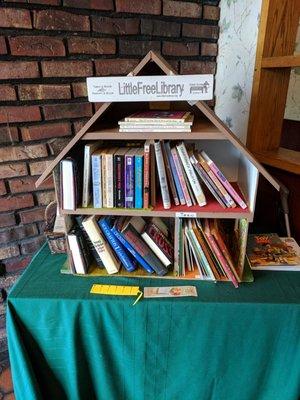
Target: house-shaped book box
(208, 133)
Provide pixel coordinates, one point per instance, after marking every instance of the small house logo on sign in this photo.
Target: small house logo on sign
(150, 88)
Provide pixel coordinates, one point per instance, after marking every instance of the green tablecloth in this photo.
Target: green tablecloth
(228, 343)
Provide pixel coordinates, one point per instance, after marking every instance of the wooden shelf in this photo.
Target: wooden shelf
(211, 210)
(200, 130)
(287, 160)
(281, 62)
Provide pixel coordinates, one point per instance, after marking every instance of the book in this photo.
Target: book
(162, 175)
(155, 129)
(146, 188)
(270, 252)
(224, 181)
(138, 178)
(174, 173)
(119, 182)
(69, 184)
(108, 176)
(111, 264)
(97, 179)
(116, 245)
(87, 173)
(169, 174)
(159, 243)
(133, 236)
(180, 174)
(129, 178)
(196, 187)
(187, 122)
(158, 116)
(80, 253)
(116, 229)
(79, 219)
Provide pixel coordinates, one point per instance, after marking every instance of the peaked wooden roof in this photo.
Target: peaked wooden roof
(165, 67)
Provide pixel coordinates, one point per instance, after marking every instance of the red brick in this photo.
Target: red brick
(89, 45)
(32, 245)
(116, 26)
(106, 5)
(12, 203)
(44, 198)
(67, 68)
(37, 132)
(182, 9)
(180, 49)
(139, 7)
(57, 145)
(79, 124)
(19, 114)
(2, 188)
(114, 66)
(209, 49)
(137, 47)
(200, 31)
(72, 110)
(15, 153)
(11, 170)
(60, 20)
(7, 92)
(160, 28)
(79, 89)
(40, 46)
(43, 92)
(12, 250)
(3, 49)
(27, 184)
(34, 215)
(38, 167)
(7, 219)
(197, 67)
(18, 69)
(211, 12)
(16, 233)
(17, 264)
(15, 18)
(6, 384)
(8, 134)
(50, 2)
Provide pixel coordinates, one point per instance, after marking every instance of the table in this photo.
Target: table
(65, 343)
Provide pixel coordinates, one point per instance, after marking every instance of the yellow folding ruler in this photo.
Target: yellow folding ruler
(117, 290)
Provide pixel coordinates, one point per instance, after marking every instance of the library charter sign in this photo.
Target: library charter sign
(150, 88)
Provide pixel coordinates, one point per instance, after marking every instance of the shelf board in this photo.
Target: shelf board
(281, 62)
(201, 129)
(285, 159)
(211, 210)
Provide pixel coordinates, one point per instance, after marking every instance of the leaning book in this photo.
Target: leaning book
(269, 252)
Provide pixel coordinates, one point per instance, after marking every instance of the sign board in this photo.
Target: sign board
(150, 88)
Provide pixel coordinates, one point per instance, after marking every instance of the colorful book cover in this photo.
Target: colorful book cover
(161, 170)
(159, 244)
(119, 192)
(174, 173)
(97, 179)
(169, 174)
(138, 178)
(180, 174)
(146, 189)
(129, 178)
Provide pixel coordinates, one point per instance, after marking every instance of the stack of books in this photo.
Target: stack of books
(157, 121)
(124, 242)
(203, 248)
(127, 177)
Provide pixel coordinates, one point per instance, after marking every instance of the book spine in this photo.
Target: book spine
(138, 178)
(162, 175)
(146, 191)
(129, 181)
(181, 177)
(105, 253)
(86, 177)
(131, 250)
(159, 244)
(191, 174)
(110, 180)
(119, 195)
(202, 256)
(96, 177)
(154, 130)
(77, 255)
(224, 181)
(116, 245)
(103, 180)
(175, 174)
(134, 238)
(169, 174)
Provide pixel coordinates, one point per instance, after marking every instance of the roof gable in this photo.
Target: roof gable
(201, 105)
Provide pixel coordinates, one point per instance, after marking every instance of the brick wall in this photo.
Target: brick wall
(47, 49)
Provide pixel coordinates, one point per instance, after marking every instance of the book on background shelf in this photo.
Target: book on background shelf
(269, 252)
(89, 149)
(162, 175)
(80, 252)
(69, 184)
(97, 179)
(159, 116)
